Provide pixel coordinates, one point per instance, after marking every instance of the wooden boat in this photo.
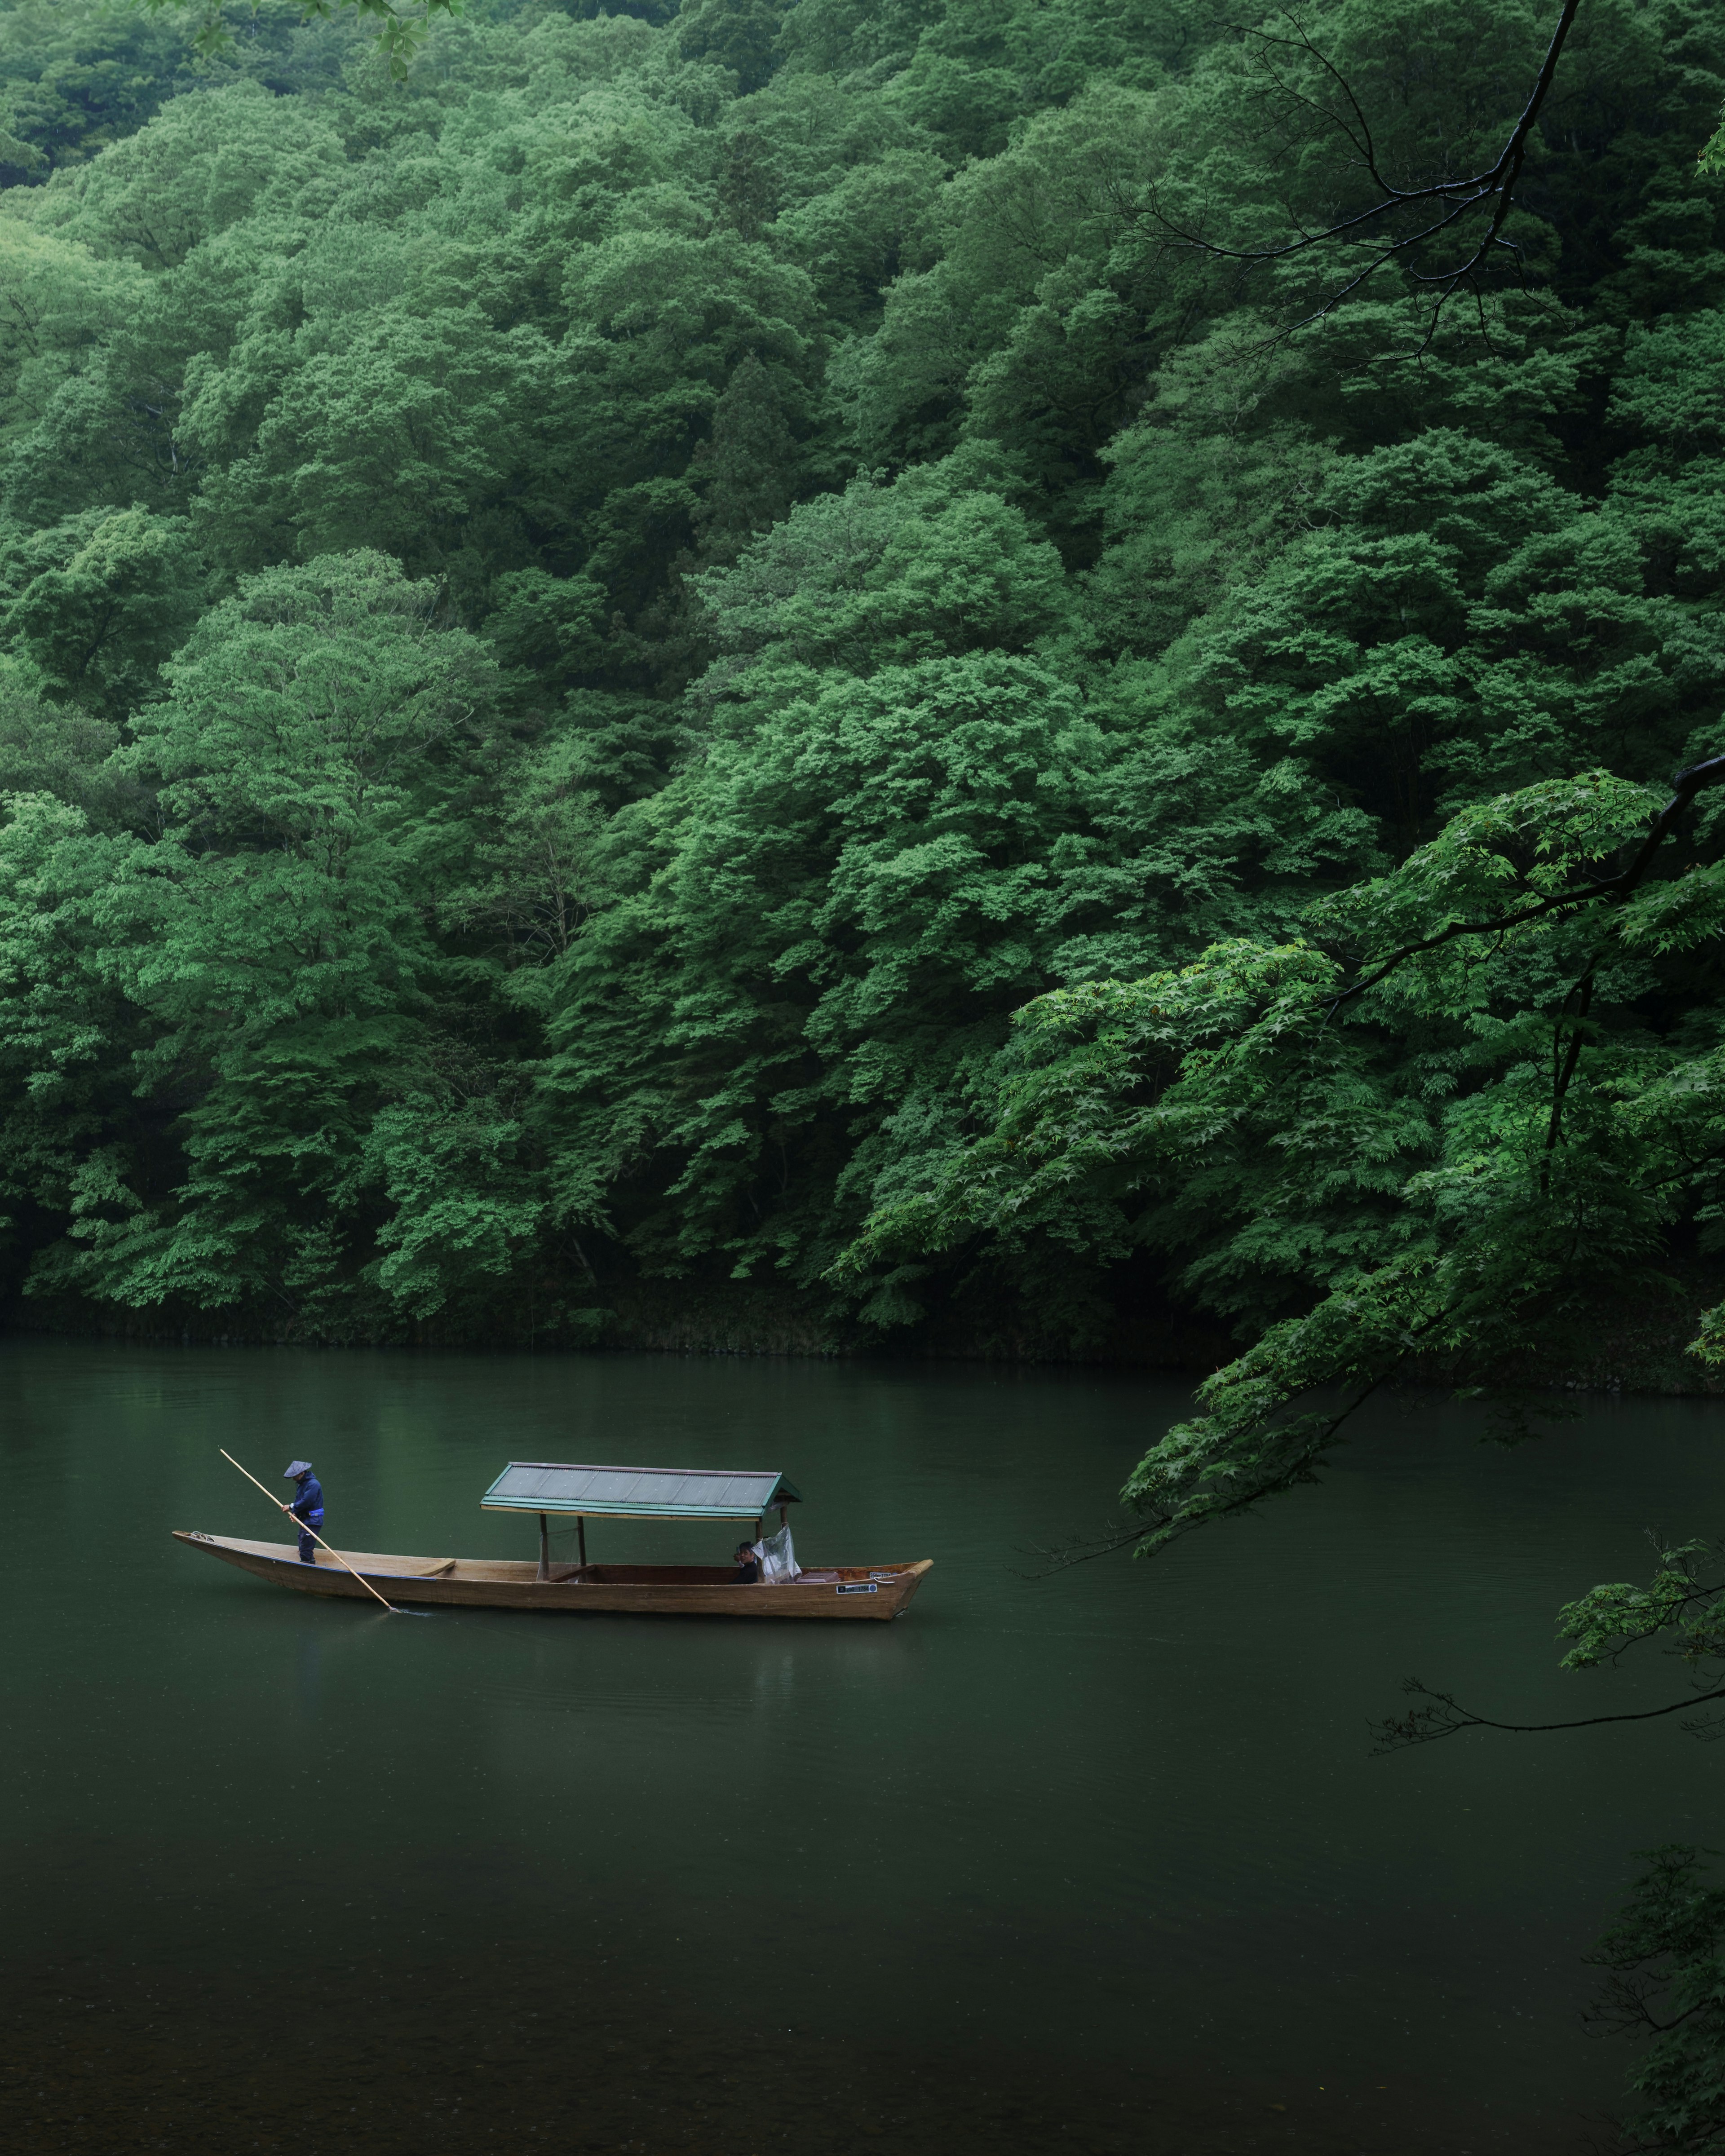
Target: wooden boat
(877, 1592)
(663, 1590)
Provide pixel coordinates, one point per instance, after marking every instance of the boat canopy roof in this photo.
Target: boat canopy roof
(639, 1493)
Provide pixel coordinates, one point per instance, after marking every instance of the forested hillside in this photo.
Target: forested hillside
(579, 630)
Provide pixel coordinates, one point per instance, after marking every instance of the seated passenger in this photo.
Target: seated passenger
(748, 1565)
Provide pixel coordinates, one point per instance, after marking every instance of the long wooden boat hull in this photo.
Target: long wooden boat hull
(877, 1592)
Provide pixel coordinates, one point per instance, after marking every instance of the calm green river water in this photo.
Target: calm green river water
(1097, 1861)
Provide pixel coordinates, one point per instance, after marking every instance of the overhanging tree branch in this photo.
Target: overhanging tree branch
(1445, 1716)
(1696, 779)
(1492, 190)
(1165, 1522)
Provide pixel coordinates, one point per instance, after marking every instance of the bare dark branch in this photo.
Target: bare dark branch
(1565, 1068)
(1061, 1556)
(1491, 190)
(1442, 1716)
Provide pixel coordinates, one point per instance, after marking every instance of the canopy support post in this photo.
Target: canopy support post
(581, 1538)
(544, 1548)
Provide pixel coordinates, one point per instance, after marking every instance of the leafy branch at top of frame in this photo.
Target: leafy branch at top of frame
(1449, 201)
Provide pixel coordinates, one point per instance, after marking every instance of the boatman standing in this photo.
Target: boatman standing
(307, 1508)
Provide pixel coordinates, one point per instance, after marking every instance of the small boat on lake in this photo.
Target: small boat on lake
(551, 1490)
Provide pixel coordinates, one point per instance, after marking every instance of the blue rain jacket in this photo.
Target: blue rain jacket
(308, 1506)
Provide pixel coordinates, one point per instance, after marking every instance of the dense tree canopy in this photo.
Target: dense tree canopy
(582, 629)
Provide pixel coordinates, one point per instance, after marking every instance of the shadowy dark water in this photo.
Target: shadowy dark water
(1097, 1861)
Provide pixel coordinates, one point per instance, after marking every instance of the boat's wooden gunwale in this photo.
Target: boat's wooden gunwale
(505, 1583)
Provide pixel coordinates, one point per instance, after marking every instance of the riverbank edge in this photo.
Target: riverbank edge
(660, 1319)
(1640, 1347)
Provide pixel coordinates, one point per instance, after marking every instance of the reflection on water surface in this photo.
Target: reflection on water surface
(1098, 1860)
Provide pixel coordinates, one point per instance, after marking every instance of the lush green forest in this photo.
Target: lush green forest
(580, 631)
(971, 668)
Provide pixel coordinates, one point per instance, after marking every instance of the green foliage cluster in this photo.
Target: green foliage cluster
(581, 630)
(1472, 1097)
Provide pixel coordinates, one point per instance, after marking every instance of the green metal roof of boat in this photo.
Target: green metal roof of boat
(639, 1493)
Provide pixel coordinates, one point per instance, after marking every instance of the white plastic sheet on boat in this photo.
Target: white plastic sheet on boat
(778, 1560)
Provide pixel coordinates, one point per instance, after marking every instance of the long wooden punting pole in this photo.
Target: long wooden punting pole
(315, 1536)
